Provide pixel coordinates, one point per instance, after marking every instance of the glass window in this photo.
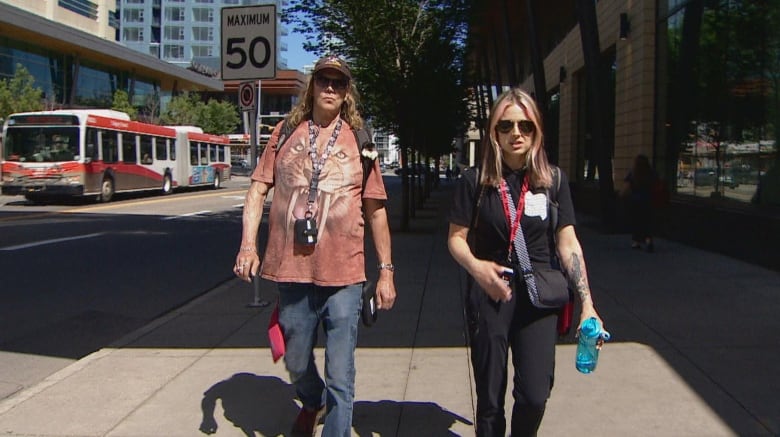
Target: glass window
(203, 15)
(133, 15)
(175, 33)
(91, 144)
(193, 153)
(133, 34)
(202, 51)
(161, 148)
(221, 153)
(172, 149)
(174, 14)
(203, 155)
(212, 153)
(146, 149)
(203, 33)
(109, 146)
(129, 154)
(171, 51)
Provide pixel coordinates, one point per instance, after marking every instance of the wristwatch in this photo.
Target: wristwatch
(383, 266)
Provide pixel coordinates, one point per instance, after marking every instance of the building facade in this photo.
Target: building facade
(691, 84)
(184, 32)
(74, 68)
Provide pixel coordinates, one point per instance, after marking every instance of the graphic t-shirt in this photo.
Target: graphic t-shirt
(337, 258)
(492, 232)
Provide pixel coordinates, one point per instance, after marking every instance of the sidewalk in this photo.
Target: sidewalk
(694, 352)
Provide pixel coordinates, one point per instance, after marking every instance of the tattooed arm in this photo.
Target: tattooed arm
(248, 260)
(573, 264)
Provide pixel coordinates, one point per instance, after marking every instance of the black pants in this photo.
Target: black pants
(531, 334)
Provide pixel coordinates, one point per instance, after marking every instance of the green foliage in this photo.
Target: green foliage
(182, 110)
(121, 102)
(218, 117)
(406, 56)
(215, 117)
(18, 94)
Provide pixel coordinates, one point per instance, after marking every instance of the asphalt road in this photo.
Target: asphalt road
(75, 276)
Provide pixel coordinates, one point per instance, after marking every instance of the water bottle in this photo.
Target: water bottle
(587, 354)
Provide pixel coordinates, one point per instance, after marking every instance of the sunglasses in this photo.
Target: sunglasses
(526, 127)
(336, 84)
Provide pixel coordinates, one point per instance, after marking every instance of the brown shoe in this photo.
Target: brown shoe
(306, 422)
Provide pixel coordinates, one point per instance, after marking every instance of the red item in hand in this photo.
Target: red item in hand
(275, 335)
(564, 318)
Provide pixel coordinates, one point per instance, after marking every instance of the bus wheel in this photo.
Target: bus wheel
(167, 187)
(106, 190)
(217, 181)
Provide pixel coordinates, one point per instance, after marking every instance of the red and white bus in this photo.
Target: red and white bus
(100, 152)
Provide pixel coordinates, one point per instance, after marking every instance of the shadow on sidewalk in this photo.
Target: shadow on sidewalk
(265, 405)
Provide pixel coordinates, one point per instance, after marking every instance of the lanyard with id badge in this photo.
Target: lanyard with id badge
(305, 229)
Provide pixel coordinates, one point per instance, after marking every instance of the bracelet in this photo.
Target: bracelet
(247, 249)
(383, 266)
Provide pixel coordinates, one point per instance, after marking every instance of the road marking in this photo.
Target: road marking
(173, 217)
(52, 241)
(134, 203)
(234, 197)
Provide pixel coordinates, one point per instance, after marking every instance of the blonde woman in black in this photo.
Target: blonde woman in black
(501, 314)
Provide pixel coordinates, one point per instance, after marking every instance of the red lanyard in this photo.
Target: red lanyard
(513, 226)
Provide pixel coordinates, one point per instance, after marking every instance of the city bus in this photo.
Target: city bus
(100, 152)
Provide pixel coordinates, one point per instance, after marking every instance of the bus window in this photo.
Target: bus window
(193, 153)
(213, 153)
(203, 153)
(161, 148)
(129, 155)
(146, 149)
(91, 150)
(109, 146)
(171, 148)
(221, 153)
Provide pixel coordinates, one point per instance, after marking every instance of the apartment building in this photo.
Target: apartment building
(184, 32)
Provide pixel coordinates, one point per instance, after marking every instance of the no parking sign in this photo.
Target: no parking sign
(247, 96)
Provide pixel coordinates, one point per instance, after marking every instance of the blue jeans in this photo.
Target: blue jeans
(301, 309)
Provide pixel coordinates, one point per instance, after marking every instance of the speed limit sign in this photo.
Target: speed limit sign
(247, 96)
(249, 42)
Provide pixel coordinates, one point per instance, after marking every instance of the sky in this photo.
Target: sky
(296, 56)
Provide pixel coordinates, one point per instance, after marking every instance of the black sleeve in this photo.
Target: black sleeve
(565, 206)
(463, 200)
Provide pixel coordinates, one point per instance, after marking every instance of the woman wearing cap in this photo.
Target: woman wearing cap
(315, 243)
(502, 314)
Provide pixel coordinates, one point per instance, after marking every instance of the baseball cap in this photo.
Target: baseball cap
(333, 63)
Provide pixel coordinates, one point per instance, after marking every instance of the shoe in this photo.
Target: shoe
(306, 422)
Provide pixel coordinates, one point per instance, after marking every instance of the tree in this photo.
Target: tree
(218, 117)
(121, 102)
(18, 94)
(215, 117)
(407, 58)
(182, 110)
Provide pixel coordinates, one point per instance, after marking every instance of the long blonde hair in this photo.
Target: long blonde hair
(349, 112)
(538, 167)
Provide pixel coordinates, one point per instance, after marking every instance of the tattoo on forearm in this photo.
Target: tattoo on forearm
(578, 277)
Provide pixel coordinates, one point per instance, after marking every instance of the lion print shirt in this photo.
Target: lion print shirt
(338, 258)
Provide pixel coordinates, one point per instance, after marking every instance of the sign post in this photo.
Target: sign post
(249, 54)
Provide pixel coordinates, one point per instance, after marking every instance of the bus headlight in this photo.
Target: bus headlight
(8, 178)
(73, 180)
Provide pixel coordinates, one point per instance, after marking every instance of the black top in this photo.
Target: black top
(492, 231)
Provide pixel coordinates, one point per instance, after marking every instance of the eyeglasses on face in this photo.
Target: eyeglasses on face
(337, 84)
(526, 127)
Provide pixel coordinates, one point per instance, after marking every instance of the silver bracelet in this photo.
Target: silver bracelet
(247, 249)
(383, 266)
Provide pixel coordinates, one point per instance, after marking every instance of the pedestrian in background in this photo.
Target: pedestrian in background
(637, 193)
(315, 243)
(501, 315)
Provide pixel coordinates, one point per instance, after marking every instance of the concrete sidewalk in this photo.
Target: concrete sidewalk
(694, 352)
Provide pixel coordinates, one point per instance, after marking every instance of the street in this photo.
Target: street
(78, 275)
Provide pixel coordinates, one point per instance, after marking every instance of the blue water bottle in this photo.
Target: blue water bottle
(587, 353)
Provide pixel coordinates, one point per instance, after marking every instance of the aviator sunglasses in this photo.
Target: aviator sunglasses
(526, 127)
(337, 84)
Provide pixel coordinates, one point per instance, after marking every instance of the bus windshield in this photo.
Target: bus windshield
(41, 144)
